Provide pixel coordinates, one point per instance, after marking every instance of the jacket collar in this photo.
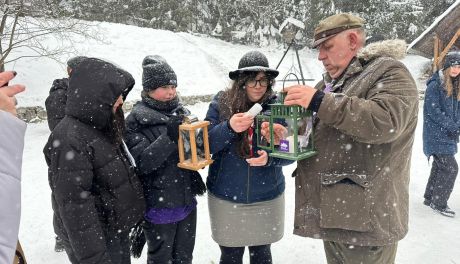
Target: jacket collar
(355, 67)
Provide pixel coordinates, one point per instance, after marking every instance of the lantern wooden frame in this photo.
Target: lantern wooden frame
(194, 163)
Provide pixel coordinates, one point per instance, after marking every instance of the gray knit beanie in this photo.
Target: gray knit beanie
(74, 61)
(156, 72)
(452, 59)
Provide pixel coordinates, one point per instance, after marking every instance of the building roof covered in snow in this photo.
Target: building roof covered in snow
(445, 27)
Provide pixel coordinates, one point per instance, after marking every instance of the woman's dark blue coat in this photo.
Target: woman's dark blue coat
(230, 177)
(441, 118)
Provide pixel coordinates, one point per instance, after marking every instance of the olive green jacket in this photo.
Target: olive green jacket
(356, 190)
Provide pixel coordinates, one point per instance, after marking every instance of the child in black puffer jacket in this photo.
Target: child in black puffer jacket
(152, 135)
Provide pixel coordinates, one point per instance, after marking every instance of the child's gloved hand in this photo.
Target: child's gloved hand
(173, 127)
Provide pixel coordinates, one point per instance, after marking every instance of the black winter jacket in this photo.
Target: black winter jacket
(94, 187)
(55, 102)
(156, 155)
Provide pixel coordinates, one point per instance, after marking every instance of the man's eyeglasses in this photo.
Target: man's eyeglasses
(264, 82)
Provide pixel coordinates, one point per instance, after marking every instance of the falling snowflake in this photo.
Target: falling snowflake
(56, 143)
(70, 155)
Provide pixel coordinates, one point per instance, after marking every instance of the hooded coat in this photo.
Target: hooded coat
(94, 187)
(355, 191)
(55, 102)
(441, 118)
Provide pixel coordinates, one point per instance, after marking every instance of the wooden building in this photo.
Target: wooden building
(440, 37)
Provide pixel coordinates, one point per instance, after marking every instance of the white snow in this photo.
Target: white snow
(293, 21)
(202, 66)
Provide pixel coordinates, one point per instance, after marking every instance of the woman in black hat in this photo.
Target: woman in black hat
(246, 186)
(441, 130)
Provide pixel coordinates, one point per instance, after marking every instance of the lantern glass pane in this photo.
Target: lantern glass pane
(263, 133)
(188, 146)
(283, 132)
(299, 128)
(304, 125)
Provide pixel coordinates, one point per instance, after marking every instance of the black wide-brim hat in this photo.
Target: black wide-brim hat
(253, 61)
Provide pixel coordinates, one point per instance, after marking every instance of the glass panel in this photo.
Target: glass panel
(300, 128)
(283, 134)
(199, 146)
(304, 125)
(263, 131)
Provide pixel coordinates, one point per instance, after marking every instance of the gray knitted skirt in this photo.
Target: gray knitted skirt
(239, 225)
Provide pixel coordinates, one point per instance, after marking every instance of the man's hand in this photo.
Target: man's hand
(7, 100)
(299, 95)
(259, 161)
(240, 122)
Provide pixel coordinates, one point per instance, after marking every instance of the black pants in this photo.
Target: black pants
(257, 255)
(442, 179)
(117, 247)
(171, 243)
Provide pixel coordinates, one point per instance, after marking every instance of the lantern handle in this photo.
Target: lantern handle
(189, 119)
(287, 75)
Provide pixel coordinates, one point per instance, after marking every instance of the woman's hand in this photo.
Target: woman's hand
(280, 132)
(240, 122)
(259, 161)
(7, 100)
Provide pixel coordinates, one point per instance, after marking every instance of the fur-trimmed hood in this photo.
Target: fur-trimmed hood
(394, 48)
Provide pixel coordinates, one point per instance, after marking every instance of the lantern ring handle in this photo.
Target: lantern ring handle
(287, 75)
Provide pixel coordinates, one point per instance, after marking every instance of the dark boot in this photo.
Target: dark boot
(59, 246)
(446, 211)
(427, 202)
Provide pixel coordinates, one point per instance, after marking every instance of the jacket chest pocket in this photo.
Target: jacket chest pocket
(345, 202)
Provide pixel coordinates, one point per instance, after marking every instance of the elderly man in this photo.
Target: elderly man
(354, 194)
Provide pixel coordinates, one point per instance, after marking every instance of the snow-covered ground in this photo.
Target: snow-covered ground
(202, 65)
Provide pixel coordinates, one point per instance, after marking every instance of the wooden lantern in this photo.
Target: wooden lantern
(286, 131)
(193, 145)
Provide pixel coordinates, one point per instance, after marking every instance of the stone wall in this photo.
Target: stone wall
(36, 114)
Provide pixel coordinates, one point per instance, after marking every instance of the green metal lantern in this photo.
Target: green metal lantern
(286, 131)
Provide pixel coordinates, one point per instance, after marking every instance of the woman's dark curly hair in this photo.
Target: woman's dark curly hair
(116, 128)
(235, 100)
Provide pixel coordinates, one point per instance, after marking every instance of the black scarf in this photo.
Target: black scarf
(162, 107)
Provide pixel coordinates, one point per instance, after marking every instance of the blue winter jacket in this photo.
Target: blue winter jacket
(230, 177)
(441, 118)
